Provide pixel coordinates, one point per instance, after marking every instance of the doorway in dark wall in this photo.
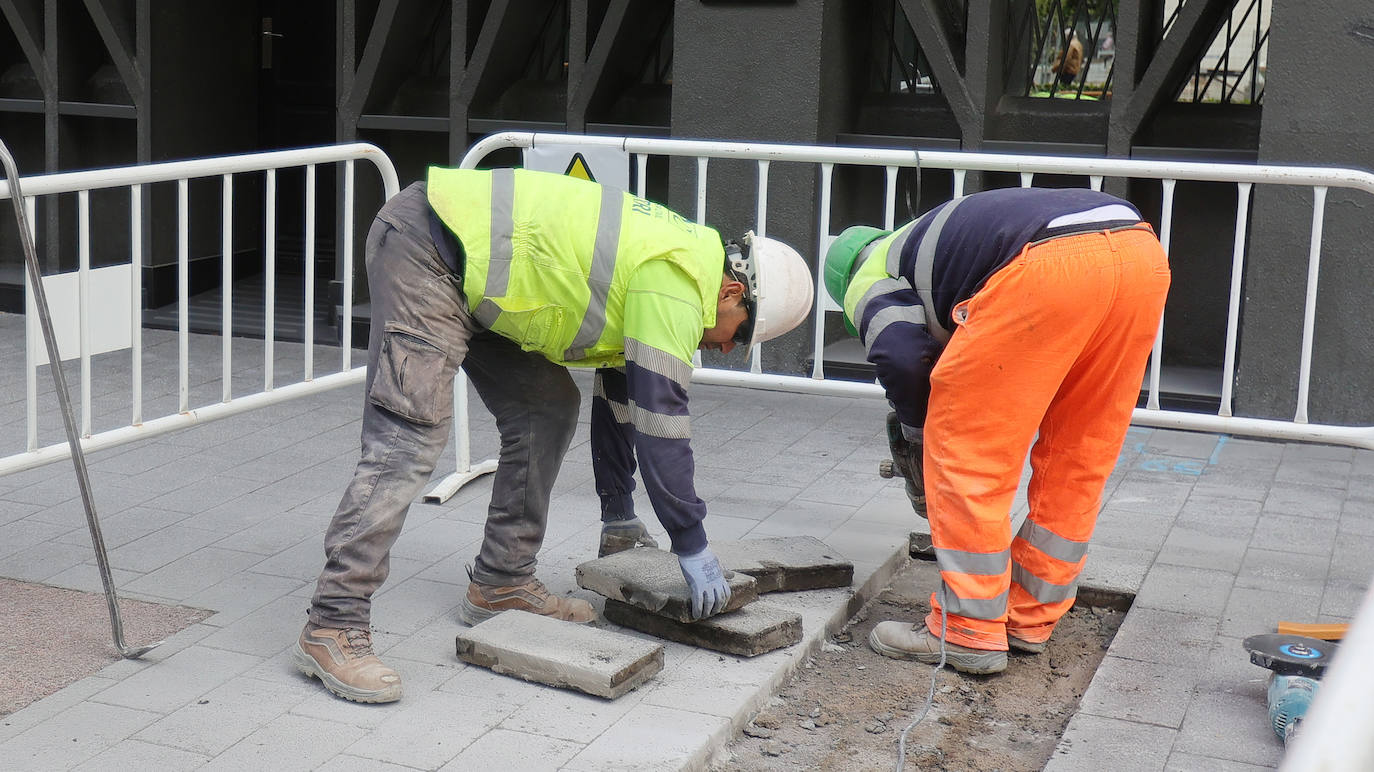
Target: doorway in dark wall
(295, 82)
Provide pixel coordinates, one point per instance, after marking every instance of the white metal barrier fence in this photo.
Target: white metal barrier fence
(134, 179)
(1336, 736)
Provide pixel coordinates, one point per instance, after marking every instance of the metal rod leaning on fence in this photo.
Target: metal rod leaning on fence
(40, 299)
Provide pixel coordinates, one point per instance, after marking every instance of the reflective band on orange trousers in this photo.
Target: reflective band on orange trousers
(1056, 343)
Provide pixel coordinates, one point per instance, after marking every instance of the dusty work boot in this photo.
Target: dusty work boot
(484, 601)
(621, 535)
(900, 640)
(1025, 646)
(344, 663)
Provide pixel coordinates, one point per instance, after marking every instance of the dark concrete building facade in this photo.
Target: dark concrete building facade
(105, 82)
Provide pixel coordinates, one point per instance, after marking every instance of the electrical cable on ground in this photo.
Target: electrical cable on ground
(930, 695)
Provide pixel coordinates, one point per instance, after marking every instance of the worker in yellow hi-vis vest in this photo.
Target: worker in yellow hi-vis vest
(517, 275)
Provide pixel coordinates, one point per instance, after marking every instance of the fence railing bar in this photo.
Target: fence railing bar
(761, 224)
(346, 323)
(30, 333)
(818, 314)
(642, 178)
(889, 199)
(1095, 182)
(269, 291)
(1166, 229)
(226, 309)
(136, 302)
(1228, 367)
(1309, 313)
(183, 296)
(309, 309)
(1026, 179)
(83, 294)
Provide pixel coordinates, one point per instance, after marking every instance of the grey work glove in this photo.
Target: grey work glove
(705, 583)
(621, 535)
(907, 461)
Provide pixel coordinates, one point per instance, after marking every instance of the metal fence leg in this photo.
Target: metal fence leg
(68, 421)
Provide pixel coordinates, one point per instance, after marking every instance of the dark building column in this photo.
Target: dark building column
(757, 72)
(1314, 49)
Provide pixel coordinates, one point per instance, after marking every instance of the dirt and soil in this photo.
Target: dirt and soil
(51, 637)
(847, 706)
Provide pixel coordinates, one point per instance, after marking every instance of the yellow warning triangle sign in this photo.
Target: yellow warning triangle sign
(578, 168)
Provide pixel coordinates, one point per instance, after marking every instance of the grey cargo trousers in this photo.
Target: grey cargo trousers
(421, 333)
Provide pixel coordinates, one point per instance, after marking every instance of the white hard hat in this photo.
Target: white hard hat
(780, 285)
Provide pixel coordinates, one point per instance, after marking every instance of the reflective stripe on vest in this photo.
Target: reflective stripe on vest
(501, 252)
(599, 280)
(977, 563)
(976, 608)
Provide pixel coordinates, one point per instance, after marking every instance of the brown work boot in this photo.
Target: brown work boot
(1023, 645)
(900, 640)
(344, 663)
(485, 601)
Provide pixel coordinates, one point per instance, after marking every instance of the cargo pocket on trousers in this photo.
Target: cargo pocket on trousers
(409, 377)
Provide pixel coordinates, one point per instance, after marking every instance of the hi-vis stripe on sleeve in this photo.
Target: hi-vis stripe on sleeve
(922, 274)
(889, 316)
(659, 361)
(619, 410)
(599, 281)
(668, 427)
(976, 608)
(879, 288)
(502, 229)
(977, 563)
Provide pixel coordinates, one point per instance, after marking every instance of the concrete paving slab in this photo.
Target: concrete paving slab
(786, 563)
(537, 648)
(652, 580)
(753, 630)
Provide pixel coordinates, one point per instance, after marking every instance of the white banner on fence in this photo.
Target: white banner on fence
(606, 165)
(107, 313)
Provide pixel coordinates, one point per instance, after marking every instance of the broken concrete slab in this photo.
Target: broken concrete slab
(786, 563)
(650, 579)
(563, 654)
(755, 629)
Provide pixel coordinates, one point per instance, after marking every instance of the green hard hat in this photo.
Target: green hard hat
(839, 261)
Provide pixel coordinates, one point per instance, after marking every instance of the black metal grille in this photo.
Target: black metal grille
(1064, 48)
(1231, 70)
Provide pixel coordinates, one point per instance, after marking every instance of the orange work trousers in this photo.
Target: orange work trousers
(1054, 344)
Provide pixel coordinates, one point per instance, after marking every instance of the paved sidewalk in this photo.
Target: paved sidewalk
(1218, 538)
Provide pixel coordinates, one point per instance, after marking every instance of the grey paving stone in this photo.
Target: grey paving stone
(1187, 590)
(1180, 761)
(123, 527)
(1283, 572)
(1297, 451)
(1152, 492)
(1229, 513)
(225, 715)
(134, 754)
(843, 487)
(1236, 451)
(1114, 569)
(753, 630)
(264, 632)
(504, 749)
(1165, 637)
(427, 730)
(346, 763)
(22, 534)
(44, 561)
(1250, 611)
(1180, 443)
(1341, 599)
(1305, 501)
(1094, 743)
(1128, 529)
(1231, 726)
(287, 744)
(1132, 690)
(44, 709)
(571, 716)
(1190, 545)
(1294, 534)
(806, 518)
(652, 580)
(239, 595)
(161, 547)
(1308, 470)
(1229, 482)
(403, 607)
(189, 575)
(785, 563)
(536, 648)
(177, 680)
(652, 737)
(72, 736)
(1352, 558)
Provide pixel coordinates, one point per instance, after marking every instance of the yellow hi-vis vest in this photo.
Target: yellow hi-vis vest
(549, 258)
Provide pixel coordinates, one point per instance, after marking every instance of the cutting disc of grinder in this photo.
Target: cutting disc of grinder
(1290, 654)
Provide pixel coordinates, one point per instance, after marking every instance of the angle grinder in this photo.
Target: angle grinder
(1297, 663)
